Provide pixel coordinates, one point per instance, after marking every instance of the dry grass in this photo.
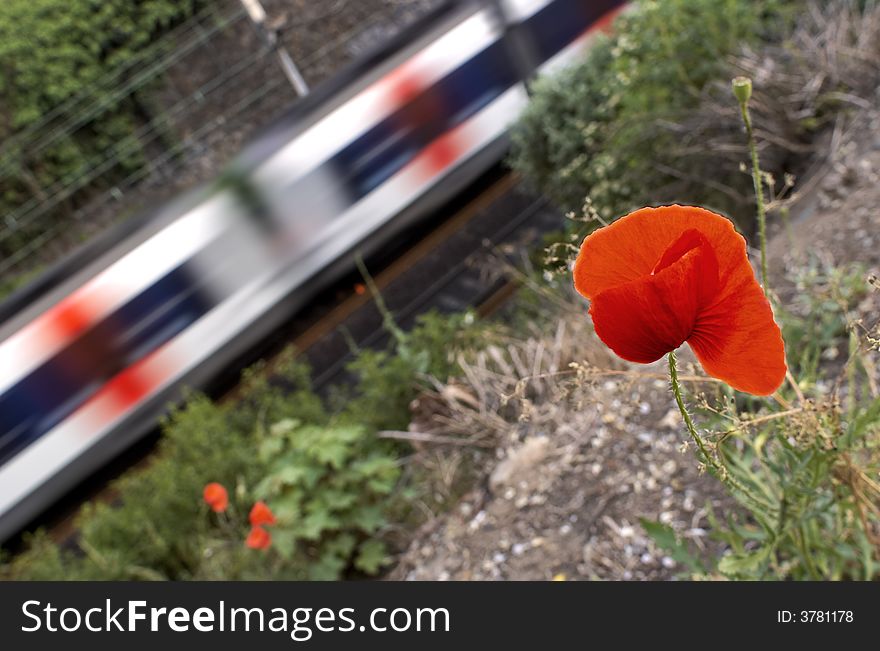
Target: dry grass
(803, 92)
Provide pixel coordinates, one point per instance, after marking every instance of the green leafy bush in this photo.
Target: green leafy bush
(597, 128)
(813, 473)
(388, 380)
(56, 51)
(328, 487)
(803, 476)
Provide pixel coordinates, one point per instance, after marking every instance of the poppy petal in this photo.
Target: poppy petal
(258, 538)
(641, 312)
(631, 247)
(216, 497)
(737, 340)
(644, 319)
(261, 514)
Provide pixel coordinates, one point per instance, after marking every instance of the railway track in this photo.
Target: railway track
(446, 263)
(450, 270)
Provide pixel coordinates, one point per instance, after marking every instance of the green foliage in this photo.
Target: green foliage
(818, 314)
(808, 501)
(56, 51)
(813, 472)
(389, 379)
(199, 447)
(328, 487)
(595, 128)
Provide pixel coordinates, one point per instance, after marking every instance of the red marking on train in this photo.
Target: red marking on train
(440, 154)
(418, 107)
(604, 23)
(404, 86)
(131, 386)
(71, 317)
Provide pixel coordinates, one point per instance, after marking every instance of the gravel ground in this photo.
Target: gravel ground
(567, 503)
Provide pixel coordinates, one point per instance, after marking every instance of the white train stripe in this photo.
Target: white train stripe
(38, 341)
(520, 10)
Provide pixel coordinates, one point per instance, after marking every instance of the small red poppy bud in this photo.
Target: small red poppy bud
(261, 514)
(258, 538)
(216, 497)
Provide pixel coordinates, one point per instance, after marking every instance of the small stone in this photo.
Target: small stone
(519, 463)
(672, 420)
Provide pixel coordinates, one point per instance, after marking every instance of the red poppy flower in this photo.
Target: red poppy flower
(258, 538)
(661, 276)
(261, 514)
(216, 497)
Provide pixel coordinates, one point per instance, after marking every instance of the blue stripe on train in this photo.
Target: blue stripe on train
(561, 22)
(54, 390)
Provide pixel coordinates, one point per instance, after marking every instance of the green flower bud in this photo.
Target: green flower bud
(742, 88)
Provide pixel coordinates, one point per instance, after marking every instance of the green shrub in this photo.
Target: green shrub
(596, 128)
(388, 380)
(53, 52)
(328, 487)
(813, 472)
(199, 447)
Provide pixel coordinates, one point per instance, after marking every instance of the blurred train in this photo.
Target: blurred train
(95, 349)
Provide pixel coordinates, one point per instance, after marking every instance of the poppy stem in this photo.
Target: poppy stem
(709, 459)
(686, 417)
(742, 88)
